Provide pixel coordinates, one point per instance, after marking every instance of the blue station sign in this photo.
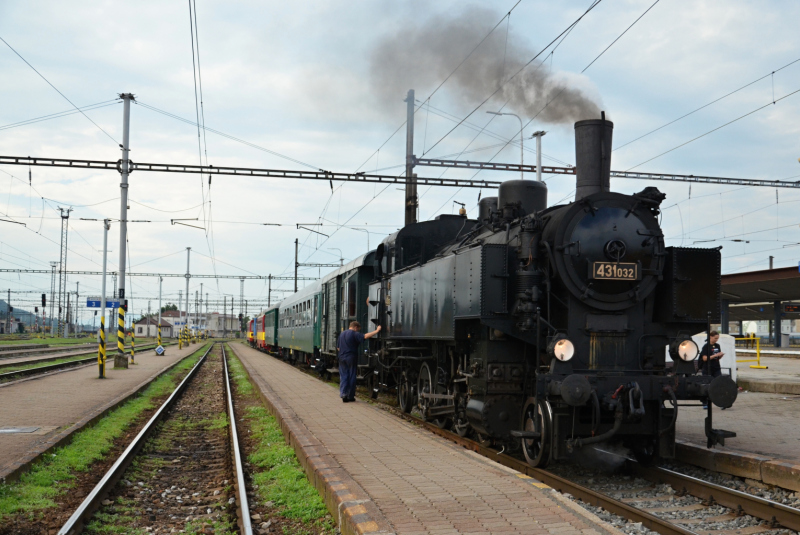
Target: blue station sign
(96, 302)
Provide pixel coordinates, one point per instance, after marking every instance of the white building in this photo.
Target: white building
(148, 328)
(214, 323)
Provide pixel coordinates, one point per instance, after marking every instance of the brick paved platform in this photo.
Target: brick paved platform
(63, 402)
(381, 474)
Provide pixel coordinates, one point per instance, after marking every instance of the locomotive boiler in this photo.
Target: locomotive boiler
(548, 328)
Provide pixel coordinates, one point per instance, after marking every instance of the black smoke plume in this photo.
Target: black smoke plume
(421, 56)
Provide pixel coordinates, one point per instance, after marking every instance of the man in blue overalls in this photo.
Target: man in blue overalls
(347, 345)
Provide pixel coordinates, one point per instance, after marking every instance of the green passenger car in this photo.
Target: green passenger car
(299, 325)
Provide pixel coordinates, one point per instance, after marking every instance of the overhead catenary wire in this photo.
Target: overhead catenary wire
(587, 66)
(58, 91)
(58, 115)
(771, 74)
(715, 129)
(508, 14)
(519, 71)
(227, 136)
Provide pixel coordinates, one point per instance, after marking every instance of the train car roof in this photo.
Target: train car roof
(350, 266)
(302, 294)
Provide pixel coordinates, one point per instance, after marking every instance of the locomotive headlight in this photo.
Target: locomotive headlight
(684, 349)
(562, 349)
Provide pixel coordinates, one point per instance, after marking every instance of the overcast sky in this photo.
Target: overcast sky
(323, 83)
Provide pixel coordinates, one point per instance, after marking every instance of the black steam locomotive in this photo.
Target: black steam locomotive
(534, 327)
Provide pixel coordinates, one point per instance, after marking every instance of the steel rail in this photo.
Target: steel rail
(243, 510)
(740, 502)
(74, 525)
(12, 353)
(77, 353)
(19, 374)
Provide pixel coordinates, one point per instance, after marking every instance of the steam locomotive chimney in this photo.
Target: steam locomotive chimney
(593, 156)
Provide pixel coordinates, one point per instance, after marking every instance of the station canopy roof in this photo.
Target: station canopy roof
(751, 295)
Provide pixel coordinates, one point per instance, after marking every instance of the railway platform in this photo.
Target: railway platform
(382, 474)
(42, 412)
(782, 375)
(765, 418)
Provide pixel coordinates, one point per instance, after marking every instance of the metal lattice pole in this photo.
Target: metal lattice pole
(188, 252)
(62, 267)
(53, 266)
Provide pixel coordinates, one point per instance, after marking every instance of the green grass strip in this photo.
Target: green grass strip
(275, 469)
(54, 474)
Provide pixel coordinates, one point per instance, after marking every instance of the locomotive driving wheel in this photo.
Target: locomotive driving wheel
(537, 417)
(425, 385)
(405, 394)
(372, 383)
(428, 383)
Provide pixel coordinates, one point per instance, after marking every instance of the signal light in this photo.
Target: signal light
(44, 300)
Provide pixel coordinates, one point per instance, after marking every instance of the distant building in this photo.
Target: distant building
(10, 325)
(148, 328)
(214, 323)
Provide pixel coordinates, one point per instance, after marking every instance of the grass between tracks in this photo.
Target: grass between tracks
(277, 476)
(54, 474)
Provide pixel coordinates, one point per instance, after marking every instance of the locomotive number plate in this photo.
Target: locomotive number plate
(615, 271)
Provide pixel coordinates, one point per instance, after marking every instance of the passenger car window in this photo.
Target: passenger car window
(351, 298)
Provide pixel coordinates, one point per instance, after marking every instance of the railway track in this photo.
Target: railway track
(10, 352)
(37, 370)
(182, 471)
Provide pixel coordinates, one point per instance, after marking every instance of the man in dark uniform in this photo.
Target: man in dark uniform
(347, 345)
(711, 355)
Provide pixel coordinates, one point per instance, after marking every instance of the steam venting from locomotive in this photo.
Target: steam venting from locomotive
(421, 56)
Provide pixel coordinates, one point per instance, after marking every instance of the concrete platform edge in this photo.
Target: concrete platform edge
(64, 437)
(754, 385)
(350, 505)
(781, 473)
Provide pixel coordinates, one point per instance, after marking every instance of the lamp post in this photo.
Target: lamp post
(363, 230)
(538, 135)
(341, 256)
(521, 147)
